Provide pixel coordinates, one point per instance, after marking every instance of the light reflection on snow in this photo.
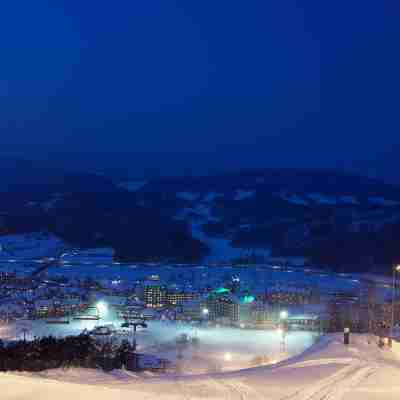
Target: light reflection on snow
(218, 349)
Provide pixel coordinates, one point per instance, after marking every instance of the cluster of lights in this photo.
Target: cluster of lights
(102, 307)
(283, 315)
(228, 357)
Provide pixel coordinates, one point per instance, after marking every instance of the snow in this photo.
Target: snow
(348, 200)
(23, 252)
(132, 186)
(381, 201)
(103, 255)
(329, 370)
(201, 210)
(317, 198)
(244, 194)
(330, 200)
(211, 196)
(245, 226)
(220, 249)
(159, 339)
(201, 276)
(187, 196)
(48, 205)
(33, 245)
(295, 199)
(322, 199)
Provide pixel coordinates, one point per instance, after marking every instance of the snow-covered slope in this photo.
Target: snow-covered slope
(32, 245)
(253, 215)
(329, 370)
(245, 214)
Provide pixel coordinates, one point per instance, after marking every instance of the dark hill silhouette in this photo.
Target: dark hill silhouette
(333, 218)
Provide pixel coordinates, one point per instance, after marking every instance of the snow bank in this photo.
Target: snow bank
(329, 370)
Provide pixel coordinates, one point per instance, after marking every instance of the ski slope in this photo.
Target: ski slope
(327, 371)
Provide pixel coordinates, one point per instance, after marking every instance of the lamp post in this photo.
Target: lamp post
(134, 326)
(395, 270)
(283, 315)
(102, 308)
(205, 313)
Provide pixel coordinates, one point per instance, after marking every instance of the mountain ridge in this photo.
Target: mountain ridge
(331, 218)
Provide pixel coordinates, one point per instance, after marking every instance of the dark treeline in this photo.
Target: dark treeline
(73, 351)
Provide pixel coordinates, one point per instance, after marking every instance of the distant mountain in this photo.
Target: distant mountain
(89, 210)
(385, 166)
(330, 218)
(42, 178)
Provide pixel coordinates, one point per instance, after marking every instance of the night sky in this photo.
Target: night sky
(191, 86)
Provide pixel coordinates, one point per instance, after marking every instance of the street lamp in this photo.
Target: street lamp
(228, 357)
(396, 269)
(102, 308)
(283, 314)
(282, 335)
(205, 312)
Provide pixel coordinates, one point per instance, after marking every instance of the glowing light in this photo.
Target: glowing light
(397, 268)
(221, 290)
(279, 331)
(283, 315)
(205, 311)
(102, 307)
(228, 357)
(248, 299)
(386, 340)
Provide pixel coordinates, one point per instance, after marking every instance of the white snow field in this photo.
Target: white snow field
(218, 349)
(328, 371)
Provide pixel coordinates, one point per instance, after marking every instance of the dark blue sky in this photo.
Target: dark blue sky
(197, 86)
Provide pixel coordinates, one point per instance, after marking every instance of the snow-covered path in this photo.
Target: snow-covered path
(365, 366)
(337, 385)
(328, 371)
